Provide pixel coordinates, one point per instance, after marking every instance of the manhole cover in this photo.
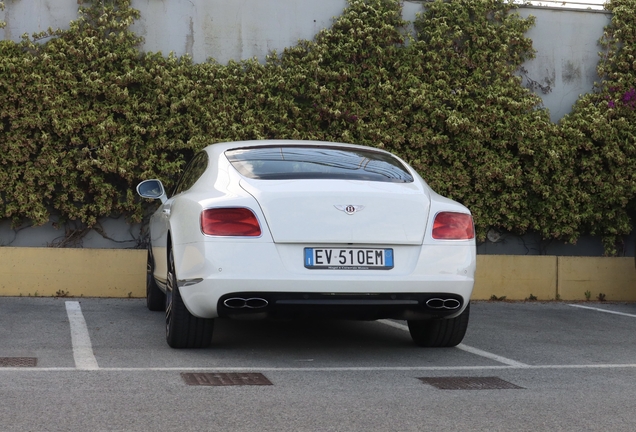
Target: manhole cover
(18, 361)
(225, 379)
(469, 383)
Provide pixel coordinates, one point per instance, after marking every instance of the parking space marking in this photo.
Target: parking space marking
(85, 359)
(603, 310)
(491, 356)
(466, 348)
(324, 369)
(394, 324)
(80, 339)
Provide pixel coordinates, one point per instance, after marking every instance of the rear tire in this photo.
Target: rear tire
(440, 333)
(183, 330)
(155, 298)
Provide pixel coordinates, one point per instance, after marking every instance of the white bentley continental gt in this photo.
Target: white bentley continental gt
(306, 229)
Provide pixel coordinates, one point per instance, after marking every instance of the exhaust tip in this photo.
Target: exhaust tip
(234, 303)
(438, 303)
(250, 303)
(256, 303)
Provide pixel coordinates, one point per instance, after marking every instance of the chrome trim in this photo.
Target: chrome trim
(250, 303)
(188, 282)
(349, 208)
(438, 303)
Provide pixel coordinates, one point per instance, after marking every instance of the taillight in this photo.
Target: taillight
(453, 226)
(230, 222)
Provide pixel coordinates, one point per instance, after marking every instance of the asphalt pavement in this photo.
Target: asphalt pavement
(103, 365)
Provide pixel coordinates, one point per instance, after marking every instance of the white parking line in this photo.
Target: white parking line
(321, 369)
(466, 348)
(603, 310)
(82, 348)
(394, 324)
(491, 356)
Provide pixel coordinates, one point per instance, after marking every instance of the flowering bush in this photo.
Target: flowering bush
(84, 115)
(600, 135)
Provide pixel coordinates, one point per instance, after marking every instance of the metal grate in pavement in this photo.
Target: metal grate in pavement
(18, 361)
(225, 379)
(469, 383)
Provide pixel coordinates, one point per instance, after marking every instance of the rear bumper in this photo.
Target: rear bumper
(406, 306)
(209, 273)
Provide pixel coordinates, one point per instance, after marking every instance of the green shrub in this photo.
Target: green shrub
(601, 135)
(85, 115)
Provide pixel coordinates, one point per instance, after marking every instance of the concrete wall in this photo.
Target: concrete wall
(567, 48)
(532, 244)
(231, 30)
(221, 29)
(565, 39)
(109, 233)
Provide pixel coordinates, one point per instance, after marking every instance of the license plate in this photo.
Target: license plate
(348, 259)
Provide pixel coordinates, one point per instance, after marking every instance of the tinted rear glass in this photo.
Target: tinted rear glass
(298, 162)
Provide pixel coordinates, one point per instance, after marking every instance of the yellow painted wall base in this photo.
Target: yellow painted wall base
(50, 272)
(517, 277)
(26, 271)
(614, 277)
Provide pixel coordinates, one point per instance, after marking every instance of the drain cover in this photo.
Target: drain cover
(225, 379)
(469, 383)
(18, 361)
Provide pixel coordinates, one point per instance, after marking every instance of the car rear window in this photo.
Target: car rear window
(305, 162)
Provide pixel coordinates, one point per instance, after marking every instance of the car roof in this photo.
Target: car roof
(221, 147)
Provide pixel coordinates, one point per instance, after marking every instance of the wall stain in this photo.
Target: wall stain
(571, 72)
(190, 38)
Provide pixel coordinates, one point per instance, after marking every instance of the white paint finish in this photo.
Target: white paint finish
(466, 348)
(82, 347)
(603, 310)
(274, 263)
(397, 211)
(268, 273)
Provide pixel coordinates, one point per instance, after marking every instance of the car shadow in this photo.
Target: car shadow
(309, 333)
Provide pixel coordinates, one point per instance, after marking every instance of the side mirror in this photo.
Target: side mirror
(152, 189)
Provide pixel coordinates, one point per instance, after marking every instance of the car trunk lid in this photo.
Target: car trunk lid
(341, 212)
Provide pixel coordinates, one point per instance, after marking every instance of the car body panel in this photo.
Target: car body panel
(266, 267)
(306, 211)
(395, 215)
